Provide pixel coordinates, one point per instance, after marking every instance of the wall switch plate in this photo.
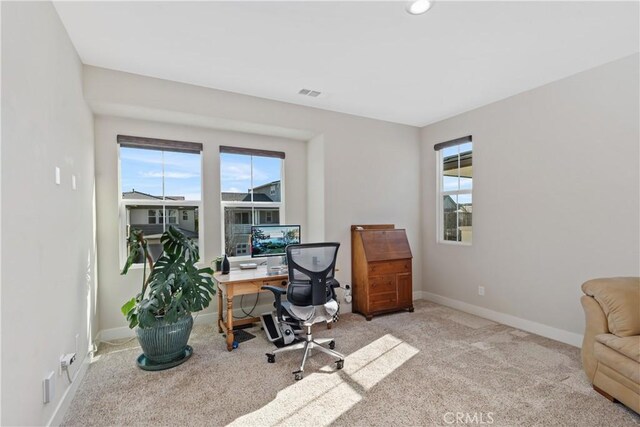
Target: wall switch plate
(73, 182)
(481, 291)
(57, 175)
(48, 388)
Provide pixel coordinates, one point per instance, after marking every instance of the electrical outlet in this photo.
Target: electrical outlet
(481, 291)
(66, 360)
(57, 175)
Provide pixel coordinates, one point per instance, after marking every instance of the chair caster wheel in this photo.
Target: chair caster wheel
(340, 364)
(271, 358)
(298, 376)
(332, 345)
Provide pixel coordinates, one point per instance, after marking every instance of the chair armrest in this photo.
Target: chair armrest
(334, 284)
(277, 294)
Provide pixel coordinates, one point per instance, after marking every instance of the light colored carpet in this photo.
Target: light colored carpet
(408, 369)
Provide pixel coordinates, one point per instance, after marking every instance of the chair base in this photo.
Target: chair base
(308, 344)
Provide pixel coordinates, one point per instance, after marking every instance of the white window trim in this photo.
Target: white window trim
(227, 204)
(440, 195)
(122, 215)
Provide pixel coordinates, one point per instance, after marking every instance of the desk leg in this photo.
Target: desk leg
(229, 323)
(219, 310)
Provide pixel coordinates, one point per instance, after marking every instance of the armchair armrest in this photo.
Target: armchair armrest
(277, 294)
(595, 324)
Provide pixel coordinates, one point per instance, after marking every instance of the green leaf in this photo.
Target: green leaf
(174, 242)
(138, 247)
(128, 306)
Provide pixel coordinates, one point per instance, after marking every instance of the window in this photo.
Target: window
(251, 194)
(455, 165)
(152, 216)
(242, 249)
(158, 178)
(172, 216)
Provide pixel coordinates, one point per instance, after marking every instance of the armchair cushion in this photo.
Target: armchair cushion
(628, 346)
(617, 361)
(619, 298)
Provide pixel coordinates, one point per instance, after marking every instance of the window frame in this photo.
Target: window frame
(166, 204)
(441, 194)
(154, 216)
(252, 205)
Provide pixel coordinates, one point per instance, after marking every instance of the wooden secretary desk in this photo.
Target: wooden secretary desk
(381, 270)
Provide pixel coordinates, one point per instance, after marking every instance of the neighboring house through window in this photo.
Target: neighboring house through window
(455, 187)
(158, 179)
(251, 194)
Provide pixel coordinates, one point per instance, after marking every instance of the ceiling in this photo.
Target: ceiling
(369, 59)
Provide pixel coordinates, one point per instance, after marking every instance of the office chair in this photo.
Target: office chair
(311, 299)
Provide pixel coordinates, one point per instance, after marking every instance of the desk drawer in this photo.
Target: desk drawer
(280, 283)
(243, 288)
(384, 301)
(388, 267)
(382, 284)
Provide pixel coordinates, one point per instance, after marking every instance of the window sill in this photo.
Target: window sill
(451, 243)
(199, 264)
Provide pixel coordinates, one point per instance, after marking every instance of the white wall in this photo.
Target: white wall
(116, 289)
(371, 168)
(315, 188)
(556, 197)
(47, 233)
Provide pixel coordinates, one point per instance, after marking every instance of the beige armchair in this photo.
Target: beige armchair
(611, 345)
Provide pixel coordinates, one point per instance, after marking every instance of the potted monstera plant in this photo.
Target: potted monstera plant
(172, 288)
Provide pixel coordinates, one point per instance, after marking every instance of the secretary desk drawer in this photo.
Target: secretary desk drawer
(378, 268)
(382, 284)
(384, 301)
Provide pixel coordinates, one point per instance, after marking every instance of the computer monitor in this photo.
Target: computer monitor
(271, 240)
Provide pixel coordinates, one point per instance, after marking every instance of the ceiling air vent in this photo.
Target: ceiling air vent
(309, 92)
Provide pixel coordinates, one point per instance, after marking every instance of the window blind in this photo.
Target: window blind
(451, 143)
(159, 144)
(251, 152)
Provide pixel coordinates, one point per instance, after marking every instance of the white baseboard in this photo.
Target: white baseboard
(126, 332)
(114, 334)
(69, 393)
(561, 335)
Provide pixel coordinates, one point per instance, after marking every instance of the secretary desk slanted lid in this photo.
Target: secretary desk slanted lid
(385, 245)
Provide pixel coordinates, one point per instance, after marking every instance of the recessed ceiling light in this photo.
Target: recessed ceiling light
(418, 7)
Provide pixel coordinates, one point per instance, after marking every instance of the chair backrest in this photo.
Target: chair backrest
(311, 266)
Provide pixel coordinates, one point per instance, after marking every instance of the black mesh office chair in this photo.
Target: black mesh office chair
(310, 299)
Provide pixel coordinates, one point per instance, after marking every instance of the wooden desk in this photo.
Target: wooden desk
(242, 282)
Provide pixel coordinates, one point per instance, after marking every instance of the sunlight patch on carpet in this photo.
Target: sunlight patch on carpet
(305, 402)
